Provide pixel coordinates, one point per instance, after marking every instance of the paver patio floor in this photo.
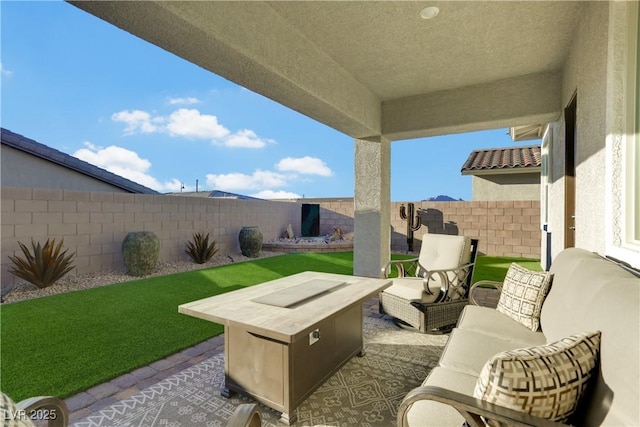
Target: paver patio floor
(93, 400)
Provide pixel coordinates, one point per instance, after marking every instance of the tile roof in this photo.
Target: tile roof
(35, 148)
(501, 159)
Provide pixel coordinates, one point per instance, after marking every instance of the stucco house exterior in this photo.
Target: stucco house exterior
(511, 173)
(28, 163)
(389, 71)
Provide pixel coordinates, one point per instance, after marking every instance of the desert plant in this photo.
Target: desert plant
(412, 224)
(200, 250)
(45, 266)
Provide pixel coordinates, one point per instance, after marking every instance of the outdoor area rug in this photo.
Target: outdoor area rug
(365, 392)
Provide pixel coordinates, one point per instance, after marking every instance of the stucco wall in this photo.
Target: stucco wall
(93, 224)
(523, 186)
(26, 170)
(585, 74)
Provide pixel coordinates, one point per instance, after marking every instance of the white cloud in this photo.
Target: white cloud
(245, 138)
(239, 181)
(266, 183)
(189, 123)
(304, 165)
(270, 194)
(4, 71)
(125, 163)
(192, 124)
(112, 156)
(137, 120)
(185, 101)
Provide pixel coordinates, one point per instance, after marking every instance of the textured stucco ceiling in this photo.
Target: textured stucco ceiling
(396, 54)
(359, 66)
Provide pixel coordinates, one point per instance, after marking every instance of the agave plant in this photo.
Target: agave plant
(200, 250)
(45, 266)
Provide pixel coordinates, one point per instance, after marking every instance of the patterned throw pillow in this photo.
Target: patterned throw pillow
(11, 416)
(545, 381)
(523, 292)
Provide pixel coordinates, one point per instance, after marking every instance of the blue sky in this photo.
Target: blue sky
(89, 89)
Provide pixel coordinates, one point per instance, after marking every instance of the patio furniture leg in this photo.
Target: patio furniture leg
(226, 392)
(288, 418)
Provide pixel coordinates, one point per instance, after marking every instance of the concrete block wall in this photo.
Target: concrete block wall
(336, 214)
(93, 224)
(504, 228)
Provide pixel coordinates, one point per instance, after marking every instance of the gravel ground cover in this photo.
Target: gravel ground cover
(23, 290)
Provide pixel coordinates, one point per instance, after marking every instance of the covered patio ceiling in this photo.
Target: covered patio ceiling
(374, 68)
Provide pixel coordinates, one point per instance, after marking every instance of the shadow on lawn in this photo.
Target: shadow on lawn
(495, 268)
(264, 269)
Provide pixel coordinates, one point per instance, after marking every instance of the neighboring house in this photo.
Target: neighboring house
(27, 163)
(442, 198)
(385, 71)
(511, 173)
(228, 195)
(216, 194)
(203, 194)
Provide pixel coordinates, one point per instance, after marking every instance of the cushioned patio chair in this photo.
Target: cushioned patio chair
(432, 289)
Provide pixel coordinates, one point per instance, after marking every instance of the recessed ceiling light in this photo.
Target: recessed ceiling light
(429, 12)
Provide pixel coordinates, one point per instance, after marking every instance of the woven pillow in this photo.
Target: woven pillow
(523, 292)
(546, 381)
(11, 416)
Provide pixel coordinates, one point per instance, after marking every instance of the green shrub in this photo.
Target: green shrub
(45, 266)
(200, 250)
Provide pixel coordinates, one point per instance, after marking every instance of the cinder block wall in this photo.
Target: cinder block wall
(93, 224)
(504, 228)
(336, 214)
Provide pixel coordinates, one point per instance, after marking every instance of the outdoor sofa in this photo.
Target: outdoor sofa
(590, 298)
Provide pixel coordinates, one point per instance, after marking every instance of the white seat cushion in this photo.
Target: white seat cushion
(467, 351)
(493, 323)
(412, 288)
(431, 413)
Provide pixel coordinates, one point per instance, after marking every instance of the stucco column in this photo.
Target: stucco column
(371, 205)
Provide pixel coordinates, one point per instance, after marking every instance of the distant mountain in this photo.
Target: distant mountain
(442, 198)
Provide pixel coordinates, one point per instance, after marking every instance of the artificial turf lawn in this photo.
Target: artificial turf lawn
(495, 268)
(66, 343)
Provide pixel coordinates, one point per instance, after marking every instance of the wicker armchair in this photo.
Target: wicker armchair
(431, 290)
